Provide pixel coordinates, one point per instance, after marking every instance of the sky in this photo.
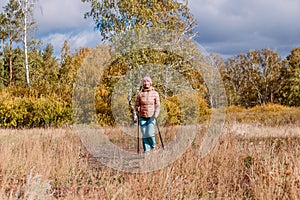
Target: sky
(226, 27)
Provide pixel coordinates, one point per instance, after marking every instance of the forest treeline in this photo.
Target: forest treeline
(37, 86)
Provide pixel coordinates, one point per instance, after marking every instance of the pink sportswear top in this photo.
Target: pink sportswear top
(147, 103)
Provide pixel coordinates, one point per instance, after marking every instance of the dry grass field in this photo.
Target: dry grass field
(250, 161)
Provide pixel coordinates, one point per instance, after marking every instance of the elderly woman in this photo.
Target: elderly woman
(148, 107)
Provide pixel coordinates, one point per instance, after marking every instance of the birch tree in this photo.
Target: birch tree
(114, 17)
(27, 23)
(253, 78)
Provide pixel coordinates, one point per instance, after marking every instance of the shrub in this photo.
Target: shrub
(18, 112)
(182, 110)
(269, 114)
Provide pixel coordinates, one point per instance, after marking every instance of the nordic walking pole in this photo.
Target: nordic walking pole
(162, 144)
(138, 134)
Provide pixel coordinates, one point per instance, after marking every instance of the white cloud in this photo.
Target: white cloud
(62, 15)
(225, 26)
(76, 40)
(60, 20)
(85, 39)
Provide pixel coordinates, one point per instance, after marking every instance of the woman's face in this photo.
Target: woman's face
(146, 84)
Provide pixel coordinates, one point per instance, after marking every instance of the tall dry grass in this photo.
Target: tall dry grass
(53, 164)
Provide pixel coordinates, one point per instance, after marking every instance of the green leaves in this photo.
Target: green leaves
(293, 78)
(113, 17)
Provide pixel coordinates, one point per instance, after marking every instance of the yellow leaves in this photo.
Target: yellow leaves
(111, 17)
(33, 112)
(270, 114)
(179, 109)
(269, 108)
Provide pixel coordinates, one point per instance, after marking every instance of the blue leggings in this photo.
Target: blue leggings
(147, 126)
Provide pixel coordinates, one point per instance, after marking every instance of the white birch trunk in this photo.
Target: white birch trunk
(25, 10)
(25, 44)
